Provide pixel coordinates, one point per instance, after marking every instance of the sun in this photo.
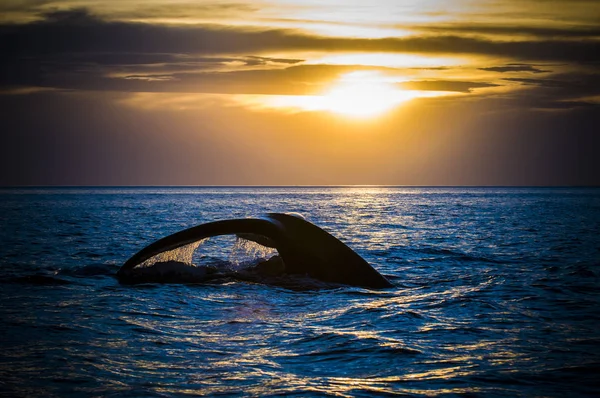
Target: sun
(360, 94)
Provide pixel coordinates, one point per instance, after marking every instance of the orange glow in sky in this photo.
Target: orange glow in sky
(300, 92)
(354, 95)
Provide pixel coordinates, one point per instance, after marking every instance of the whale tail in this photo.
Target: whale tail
(303, 249)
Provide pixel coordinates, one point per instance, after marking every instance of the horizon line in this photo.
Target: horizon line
(49, 186)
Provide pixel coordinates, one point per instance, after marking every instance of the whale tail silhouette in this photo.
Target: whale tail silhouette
(303, 248)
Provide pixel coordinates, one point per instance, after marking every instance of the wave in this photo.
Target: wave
(39, 280)
(432, 253)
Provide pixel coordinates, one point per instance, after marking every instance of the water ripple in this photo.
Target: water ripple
(495, 295)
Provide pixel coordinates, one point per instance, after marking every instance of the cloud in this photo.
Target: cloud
(539, 82)
(561, 91)
(255, 60)
(515, 68)
(570, 32)
(45, 70)
(80, 32)
(566, 88)
(21, 5)
(74, 49)
(291, 80)
(577, 83)
(445, 85)
(182, 11)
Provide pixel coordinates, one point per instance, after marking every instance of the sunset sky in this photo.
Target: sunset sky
(293, 92)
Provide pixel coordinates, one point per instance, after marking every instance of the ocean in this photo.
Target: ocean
(496, 293)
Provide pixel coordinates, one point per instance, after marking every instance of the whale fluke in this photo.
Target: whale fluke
(304, 249)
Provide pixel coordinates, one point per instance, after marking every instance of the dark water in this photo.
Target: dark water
(496, 293)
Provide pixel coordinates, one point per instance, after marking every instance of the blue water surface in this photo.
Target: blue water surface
(496, 294)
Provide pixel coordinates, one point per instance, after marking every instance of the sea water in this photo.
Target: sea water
(496, 292)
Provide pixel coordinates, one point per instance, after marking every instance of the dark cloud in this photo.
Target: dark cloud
(294, 80)
(539, 82)
(75, 50)
(515, 68)
(575, 82)
(133, 58)
(77, 31)
(445, 85)
(561, 91)
(21, 5)
(187, 10)
(568, 32)
(255, 60)
(109, 71)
